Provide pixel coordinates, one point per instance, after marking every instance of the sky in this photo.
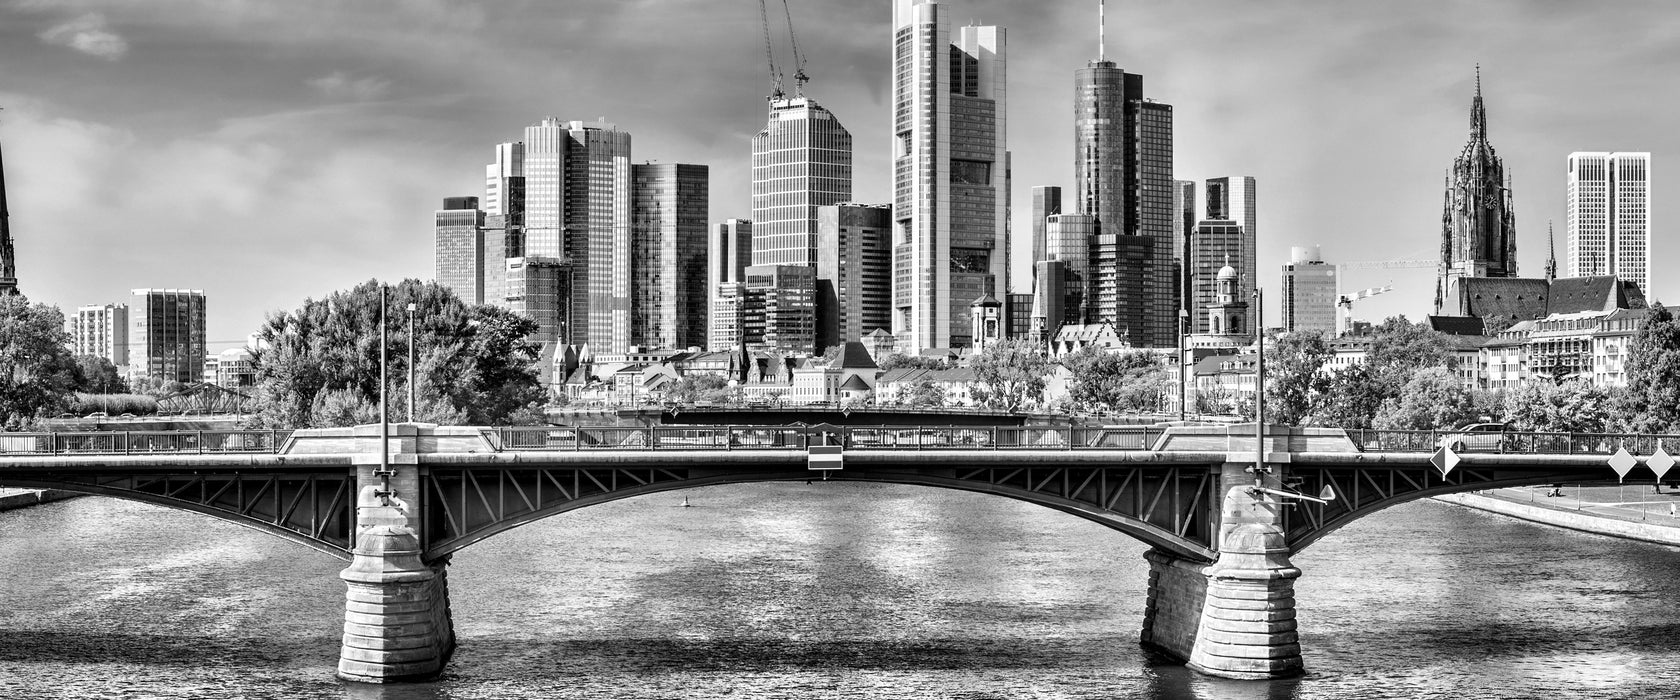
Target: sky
(269, 151)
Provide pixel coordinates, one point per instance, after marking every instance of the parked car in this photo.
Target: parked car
(1478, 437)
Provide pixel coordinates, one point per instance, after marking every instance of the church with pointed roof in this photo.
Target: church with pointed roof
(1478, 223)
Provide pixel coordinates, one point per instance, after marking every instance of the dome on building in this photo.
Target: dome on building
(1227, 272)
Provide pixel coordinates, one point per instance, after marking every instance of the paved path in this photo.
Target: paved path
(1627, 502)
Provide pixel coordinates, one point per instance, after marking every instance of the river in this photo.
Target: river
(827, 590)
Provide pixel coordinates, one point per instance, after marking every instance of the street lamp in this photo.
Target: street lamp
(384, 417)
(1259, 388)
(412, 307)
(1183, 391)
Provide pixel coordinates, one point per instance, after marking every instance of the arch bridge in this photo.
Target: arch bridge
(1221, 584)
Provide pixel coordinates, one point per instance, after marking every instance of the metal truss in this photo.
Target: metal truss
(464, 505)
(1168, 505)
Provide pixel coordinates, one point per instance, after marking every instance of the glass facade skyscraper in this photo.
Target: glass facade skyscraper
(1309, 292)
(854, 272)
(950, 174)
(800, 161)
(459, 252)
(1609, 214)
(668, 259)
(166, 335)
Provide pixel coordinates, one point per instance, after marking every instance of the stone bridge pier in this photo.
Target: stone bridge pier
(397, 624)
(1234, 618)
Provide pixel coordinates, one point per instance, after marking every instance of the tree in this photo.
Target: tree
(1132, 380)
(319, 365)
(1295, 380)
(1011, 373)
(99, 376)
(37, 372)
(925, 393)
(1432, 399)
(1494, 324)
(899, 360)
(1652, 401)
(1399, 350)
(1571, 407)
(1349, 400)
(701, 387)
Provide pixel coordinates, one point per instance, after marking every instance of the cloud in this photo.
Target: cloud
(87, 34)
(339, 85)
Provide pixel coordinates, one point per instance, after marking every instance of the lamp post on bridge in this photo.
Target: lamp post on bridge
(412, 307)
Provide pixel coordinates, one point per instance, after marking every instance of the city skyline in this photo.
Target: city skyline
(165, 166)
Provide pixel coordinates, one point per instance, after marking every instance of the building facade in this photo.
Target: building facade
(728, 253)
(950, 173)
(166, 335)
(1046, 202)
(458, 249)
(667, 263)
(1214, 244)
(1309, 292)
(1068, 240)
(785, 298)
(102, 331)
(854, 272)
(1478, 223)
(802, 160)
(1232, 199)
(532, 287)
(1609, 213)
(1123, 175)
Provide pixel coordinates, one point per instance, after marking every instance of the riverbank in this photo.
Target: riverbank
(13, 499)
(1628, 512)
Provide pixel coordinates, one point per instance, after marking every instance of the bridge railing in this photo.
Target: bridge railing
(144, 442)
(552, 438)
(1510, 442)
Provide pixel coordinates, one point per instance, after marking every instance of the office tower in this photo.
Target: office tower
(854, 272)
(534, 286)
(1232, 199)
(501, 241)
(1478, 224)
(1018, 308)
(786, 295)
(667, 264)
(950, 174)
(577, 212)
(1213, 245)
(728, 253)
(1123, 177)
(8, 263)
(504, 183)
(1049, 302)
(1067, 238)
(1184, 221)
(800, 161)
(1610, 216)
(166, 338)
(102, 331)
(737, 318)
(1047, 201)
(1309, 292)
(459, 251)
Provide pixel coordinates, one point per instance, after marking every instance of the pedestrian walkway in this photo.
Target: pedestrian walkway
(1631, 502)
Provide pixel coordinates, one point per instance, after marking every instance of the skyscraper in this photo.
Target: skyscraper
(1309, 292)
(1214, 245)
(8, 263)
(950, 174)
(1046, 201)
(1478, 224)
(166, 336)
(459, 252)
(101, 330)
(800, 161)
(728, 253)
(1068, 240)
(532, 287)
(785, 299)
(577, 212)
(668, 260)
(1609, 214)
(1123, 177)
(854, 272)
(1232, 199)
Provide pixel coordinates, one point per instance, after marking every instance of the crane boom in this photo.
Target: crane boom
(799, 77)
(770, 54)
(1388, 264)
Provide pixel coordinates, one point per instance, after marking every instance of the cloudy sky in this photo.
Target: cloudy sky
(271, 150)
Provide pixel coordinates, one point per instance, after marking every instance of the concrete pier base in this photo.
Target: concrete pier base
(397, 624)
(1247, 626)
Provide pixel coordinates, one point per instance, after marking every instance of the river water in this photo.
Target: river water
(828, 590)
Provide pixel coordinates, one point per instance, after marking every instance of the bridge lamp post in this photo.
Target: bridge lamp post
(1183, 391)
(412, 307)
(1259, 389)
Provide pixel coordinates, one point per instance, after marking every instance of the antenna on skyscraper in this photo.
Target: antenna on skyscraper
(1102, 41)
(799, 77)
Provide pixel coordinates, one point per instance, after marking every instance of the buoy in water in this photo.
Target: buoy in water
(685, 502)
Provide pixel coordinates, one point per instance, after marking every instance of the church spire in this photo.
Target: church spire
(1551, 253)
(1478, 115)
(8, 267)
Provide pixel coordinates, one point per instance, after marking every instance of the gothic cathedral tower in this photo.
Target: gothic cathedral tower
(1478, 225)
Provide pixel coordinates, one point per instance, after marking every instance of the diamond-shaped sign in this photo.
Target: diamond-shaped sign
(1659, 462)
(1622, 462)
(1444, 459)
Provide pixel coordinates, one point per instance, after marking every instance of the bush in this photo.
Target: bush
(113, 404)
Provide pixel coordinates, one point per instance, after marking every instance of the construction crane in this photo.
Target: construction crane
(1346, 302)
(1389, 264)
(799, 77)
(770, 54)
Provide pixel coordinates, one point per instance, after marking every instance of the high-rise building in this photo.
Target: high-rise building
(1184, 221)
(1046, 201)
(1017, 307)
(1214, 245)
(1478, 223)
(668, 260)
(102, 331)
(502, 241)
(785, 297)
(1123, 176)
(737, 318)
(8, 263)
(1232, 199)
(459, 252)
(504, 183)
(950, 173)
(1068, 240)
(1049, 301)
(854, 272)
(728, 253)
(800, 161)
(533, 286)
(166, 335)
(1309, 292)
(1610, 216)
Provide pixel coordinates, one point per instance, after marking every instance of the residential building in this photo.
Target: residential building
(950, 173)
(1123, 179)
(233, 368)
(1586, 345)
(667, 263)
(854, 272)
(1478, 223)
(1309, 292)
(1609, 212)
(101, 330)
(458, 251)
(802, 160)
(166, 335)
